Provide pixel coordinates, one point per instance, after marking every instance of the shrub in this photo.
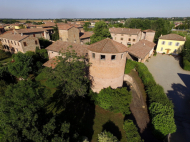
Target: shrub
(4, 54)
(129, 66)
(162, 119)
(106, 137)
(131, 131)
(155, 53)
(186, 64)
(116, 100)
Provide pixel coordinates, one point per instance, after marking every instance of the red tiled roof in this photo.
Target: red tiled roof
(33, 30)
(64, 27)
(108, 46)
(63, 46)
(51, 63)
(11, 36)
(141, 48)
(173, 37)
(86, 35)
(124, 31)
(148, 30)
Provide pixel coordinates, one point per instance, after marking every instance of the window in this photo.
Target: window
(11, 42)
(24, 43)
(121, 56)
(121, 38)
(51, 52)
(36, 42)
(113, 57)
(15, 43)
(93, 55)
(177, 44)
(8, 41)
(163, 42)
(102, 57)
(34, 35)
(133, 40)
(169, 43)
(162, 49)
(129, 39)
(18, 43)
(42, 34)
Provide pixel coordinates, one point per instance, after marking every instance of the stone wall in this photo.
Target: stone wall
(30, 44)
(73, 35)
(83, 41)
(63, 35)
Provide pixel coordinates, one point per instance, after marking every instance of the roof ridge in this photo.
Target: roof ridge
(104, 44)
(112, 41)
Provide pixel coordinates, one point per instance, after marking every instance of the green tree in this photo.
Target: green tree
(131, 131)
(22, 118)
(162, 119)
(28, 21)
(44, 43)
(101, 32)
(186, 49)
(116, 100)
(86, 25)
(107, 137)
(69, 74)
(21, 65)
(21, 26)
(55, 35)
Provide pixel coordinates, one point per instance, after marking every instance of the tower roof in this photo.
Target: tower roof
(108, 46)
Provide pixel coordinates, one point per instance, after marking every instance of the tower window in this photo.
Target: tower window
(121, 56)
(102, 57)
(93, 55)
(113, 57)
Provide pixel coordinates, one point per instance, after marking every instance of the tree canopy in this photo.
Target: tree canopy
(101, 32)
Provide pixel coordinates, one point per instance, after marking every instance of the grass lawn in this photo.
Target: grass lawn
(85, 118)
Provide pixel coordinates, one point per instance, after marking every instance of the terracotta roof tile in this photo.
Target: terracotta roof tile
(124, 31)
(64, 27)
(141, 48)
(86, 35)
(33, 30)
(173, 37)
(108, 46)
(59, 45)
(11, 36)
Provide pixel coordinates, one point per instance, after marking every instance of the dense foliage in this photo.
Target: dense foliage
(101, 32)
(44, 43)
(69, 68)
(4, 54)
(131, 131)
(116, 100)
(86, 26)
(106, 137)
(186, 55)
(22, 117)
(162, 119)
(55, 35)
(129, 66)
(9, 21)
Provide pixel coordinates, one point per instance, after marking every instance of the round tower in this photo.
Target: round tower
(107, 59)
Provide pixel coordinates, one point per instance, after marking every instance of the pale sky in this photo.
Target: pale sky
(93, 8)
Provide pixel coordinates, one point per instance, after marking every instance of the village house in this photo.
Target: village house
(18, 43)
(125, 36)
(148, 35)
(141, 51)
(70, 33)
(36, 32)
(170, 44)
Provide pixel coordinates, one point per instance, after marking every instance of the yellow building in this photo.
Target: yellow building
(170, 44)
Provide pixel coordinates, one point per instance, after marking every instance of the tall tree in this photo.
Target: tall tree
(55, 35)
(70, 74)
(101, 32)
(86, 25)
(22, 118)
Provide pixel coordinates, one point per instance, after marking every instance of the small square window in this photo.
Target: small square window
(24, 43)
(113, 57)
(133, 40)
(121, 38)
(177, 44)
(163, 42)
(36, 42)
(170, 43)
(34, 35)
(129, 39)
(93, 55)
(102, 57)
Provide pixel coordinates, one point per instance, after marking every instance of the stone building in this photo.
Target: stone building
(15, 42)
(70, 33)
(36, 32)
(142, 50)
(125, 36)
(148, 35)
(107, 58)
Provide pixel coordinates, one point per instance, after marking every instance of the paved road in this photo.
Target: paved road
(176, 84)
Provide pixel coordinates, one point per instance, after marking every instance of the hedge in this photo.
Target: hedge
(129, 66)
(186, 64)
(156, 95)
